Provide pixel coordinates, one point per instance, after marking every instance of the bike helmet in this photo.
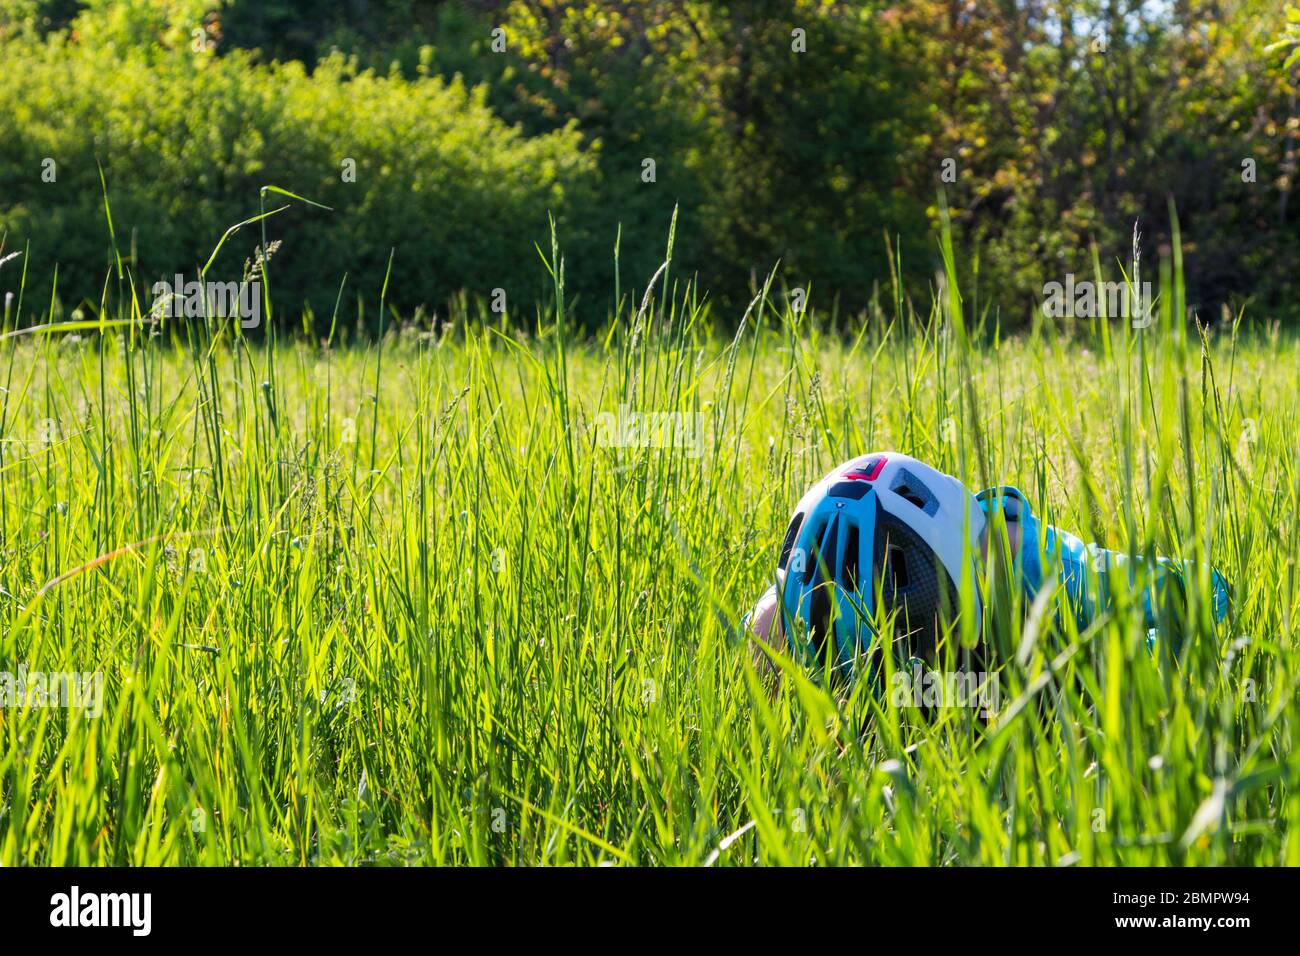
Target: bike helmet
(883, 524)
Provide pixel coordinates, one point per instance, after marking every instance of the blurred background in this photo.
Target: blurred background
(810, 132)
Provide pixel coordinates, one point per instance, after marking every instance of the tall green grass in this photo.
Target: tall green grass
(397, 603)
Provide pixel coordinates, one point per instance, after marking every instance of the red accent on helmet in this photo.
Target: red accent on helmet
(874, 467)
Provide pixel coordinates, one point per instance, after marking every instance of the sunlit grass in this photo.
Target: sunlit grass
(400, 603)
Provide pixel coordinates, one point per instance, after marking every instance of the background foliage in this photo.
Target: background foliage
(1065, 123)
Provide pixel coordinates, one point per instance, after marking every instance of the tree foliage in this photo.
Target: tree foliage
(816, 133)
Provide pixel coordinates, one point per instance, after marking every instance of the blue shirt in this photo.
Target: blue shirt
(1084, 570)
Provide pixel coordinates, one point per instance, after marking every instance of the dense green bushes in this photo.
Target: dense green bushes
(798, 131)
(186, 141)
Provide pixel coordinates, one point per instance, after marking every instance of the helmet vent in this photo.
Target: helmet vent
(896, 568)
(855, 489)
(791, 534)
(820, 607)
(820, 611)
(912, 496)
(849, 569)
(910, 488)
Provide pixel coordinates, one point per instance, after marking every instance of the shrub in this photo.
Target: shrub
(186, 141)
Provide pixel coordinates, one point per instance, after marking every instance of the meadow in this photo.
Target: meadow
(405, 601)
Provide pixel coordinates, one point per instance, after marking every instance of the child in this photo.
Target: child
(888, 524)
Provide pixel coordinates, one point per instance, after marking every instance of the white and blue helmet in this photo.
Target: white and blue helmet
(880, 529)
